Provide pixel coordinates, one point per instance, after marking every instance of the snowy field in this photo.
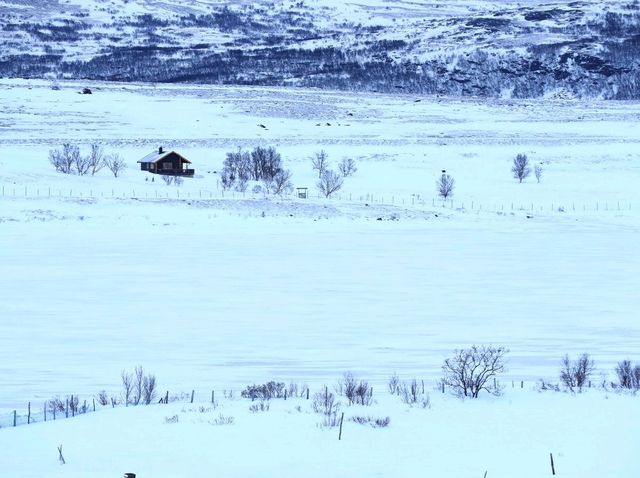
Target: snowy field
(210, 292)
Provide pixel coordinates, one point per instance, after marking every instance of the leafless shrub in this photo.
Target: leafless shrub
(265, 391)
(292, 390)
(149, 389)
(320, 162)
(115, 164)
(83, 165)
(520, 167)
(628, 375)
(56, 404)
(576, 374)
(222, 420)
(227, 179)
(347, 167)
(537, 170)
(325, 403)
(544, 386)
(95, 159)
(280, 183)
(259, 407)
(103, 398)
(445, 186)
(393, 385)
(127, 386)
(329, 183)
(64, 160)
(410, 392)
(373, 422)
(173, 419)
(471, 370)
(359, 393)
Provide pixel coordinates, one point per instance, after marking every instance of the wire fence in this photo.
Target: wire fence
(74, 406)
(412, 200)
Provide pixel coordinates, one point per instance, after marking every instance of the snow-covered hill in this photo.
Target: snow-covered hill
(583, 48)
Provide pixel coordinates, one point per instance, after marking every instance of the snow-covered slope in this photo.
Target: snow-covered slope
(587, 48)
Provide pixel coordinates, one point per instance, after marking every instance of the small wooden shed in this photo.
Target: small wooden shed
(167, 163)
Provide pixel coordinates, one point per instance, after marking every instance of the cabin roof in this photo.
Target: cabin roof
(156, 156)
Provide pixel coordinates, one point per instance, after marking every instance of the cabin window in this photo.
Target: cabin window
(167, 166)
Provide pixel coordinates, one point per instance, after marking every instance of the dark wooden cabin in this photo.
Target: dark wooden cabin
(168, 163)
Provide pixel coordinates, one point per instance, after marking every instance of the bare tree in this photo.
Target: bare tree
(537, 170)
(265, 163)
(576, 374)
(445, 186)
(95, 159)
(64, 160)
(127, 386)
(320, 162)
(329, 183)
(138, 384)
(347, 167)
(115, 164)
(280, 183)
(520, 168)
(471, 370)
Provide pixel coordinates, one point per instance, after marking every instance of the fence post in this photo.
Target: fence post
(213, 396)
(29, 413)
(66, 409)
(192, 393)
(45, 411)
(553, 468)
(94, 404)
(341, 420)
(15, 417)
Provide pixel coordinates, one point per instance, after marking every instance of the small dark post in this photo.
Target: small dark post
(45, 411)
(521, 383)
(113, 403)
(66, 409)
(341, 420)
(442, 387)
(60, 457)
(15, 417)
(192, 393)
(94, 404)
(422, 387)
(28, 413)
(166, 397)
(54, 413)
(213, 397)
(553, 468)
(307, 393)
(73, 408)
(285, 394)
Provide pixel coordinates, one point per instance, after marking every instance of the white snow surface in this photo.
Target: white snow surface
(213, 291)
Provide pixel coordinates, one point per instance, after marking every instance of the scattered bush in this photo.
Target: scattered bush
(325, 403)
(373, 422)
(576, 374)
(359, 393)
(64, 160)
(222, 420)
(173, 419)
(471, 370)
(259, 407)
(265, 391)
(394, 384)
(103, 398)
(520, 168)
